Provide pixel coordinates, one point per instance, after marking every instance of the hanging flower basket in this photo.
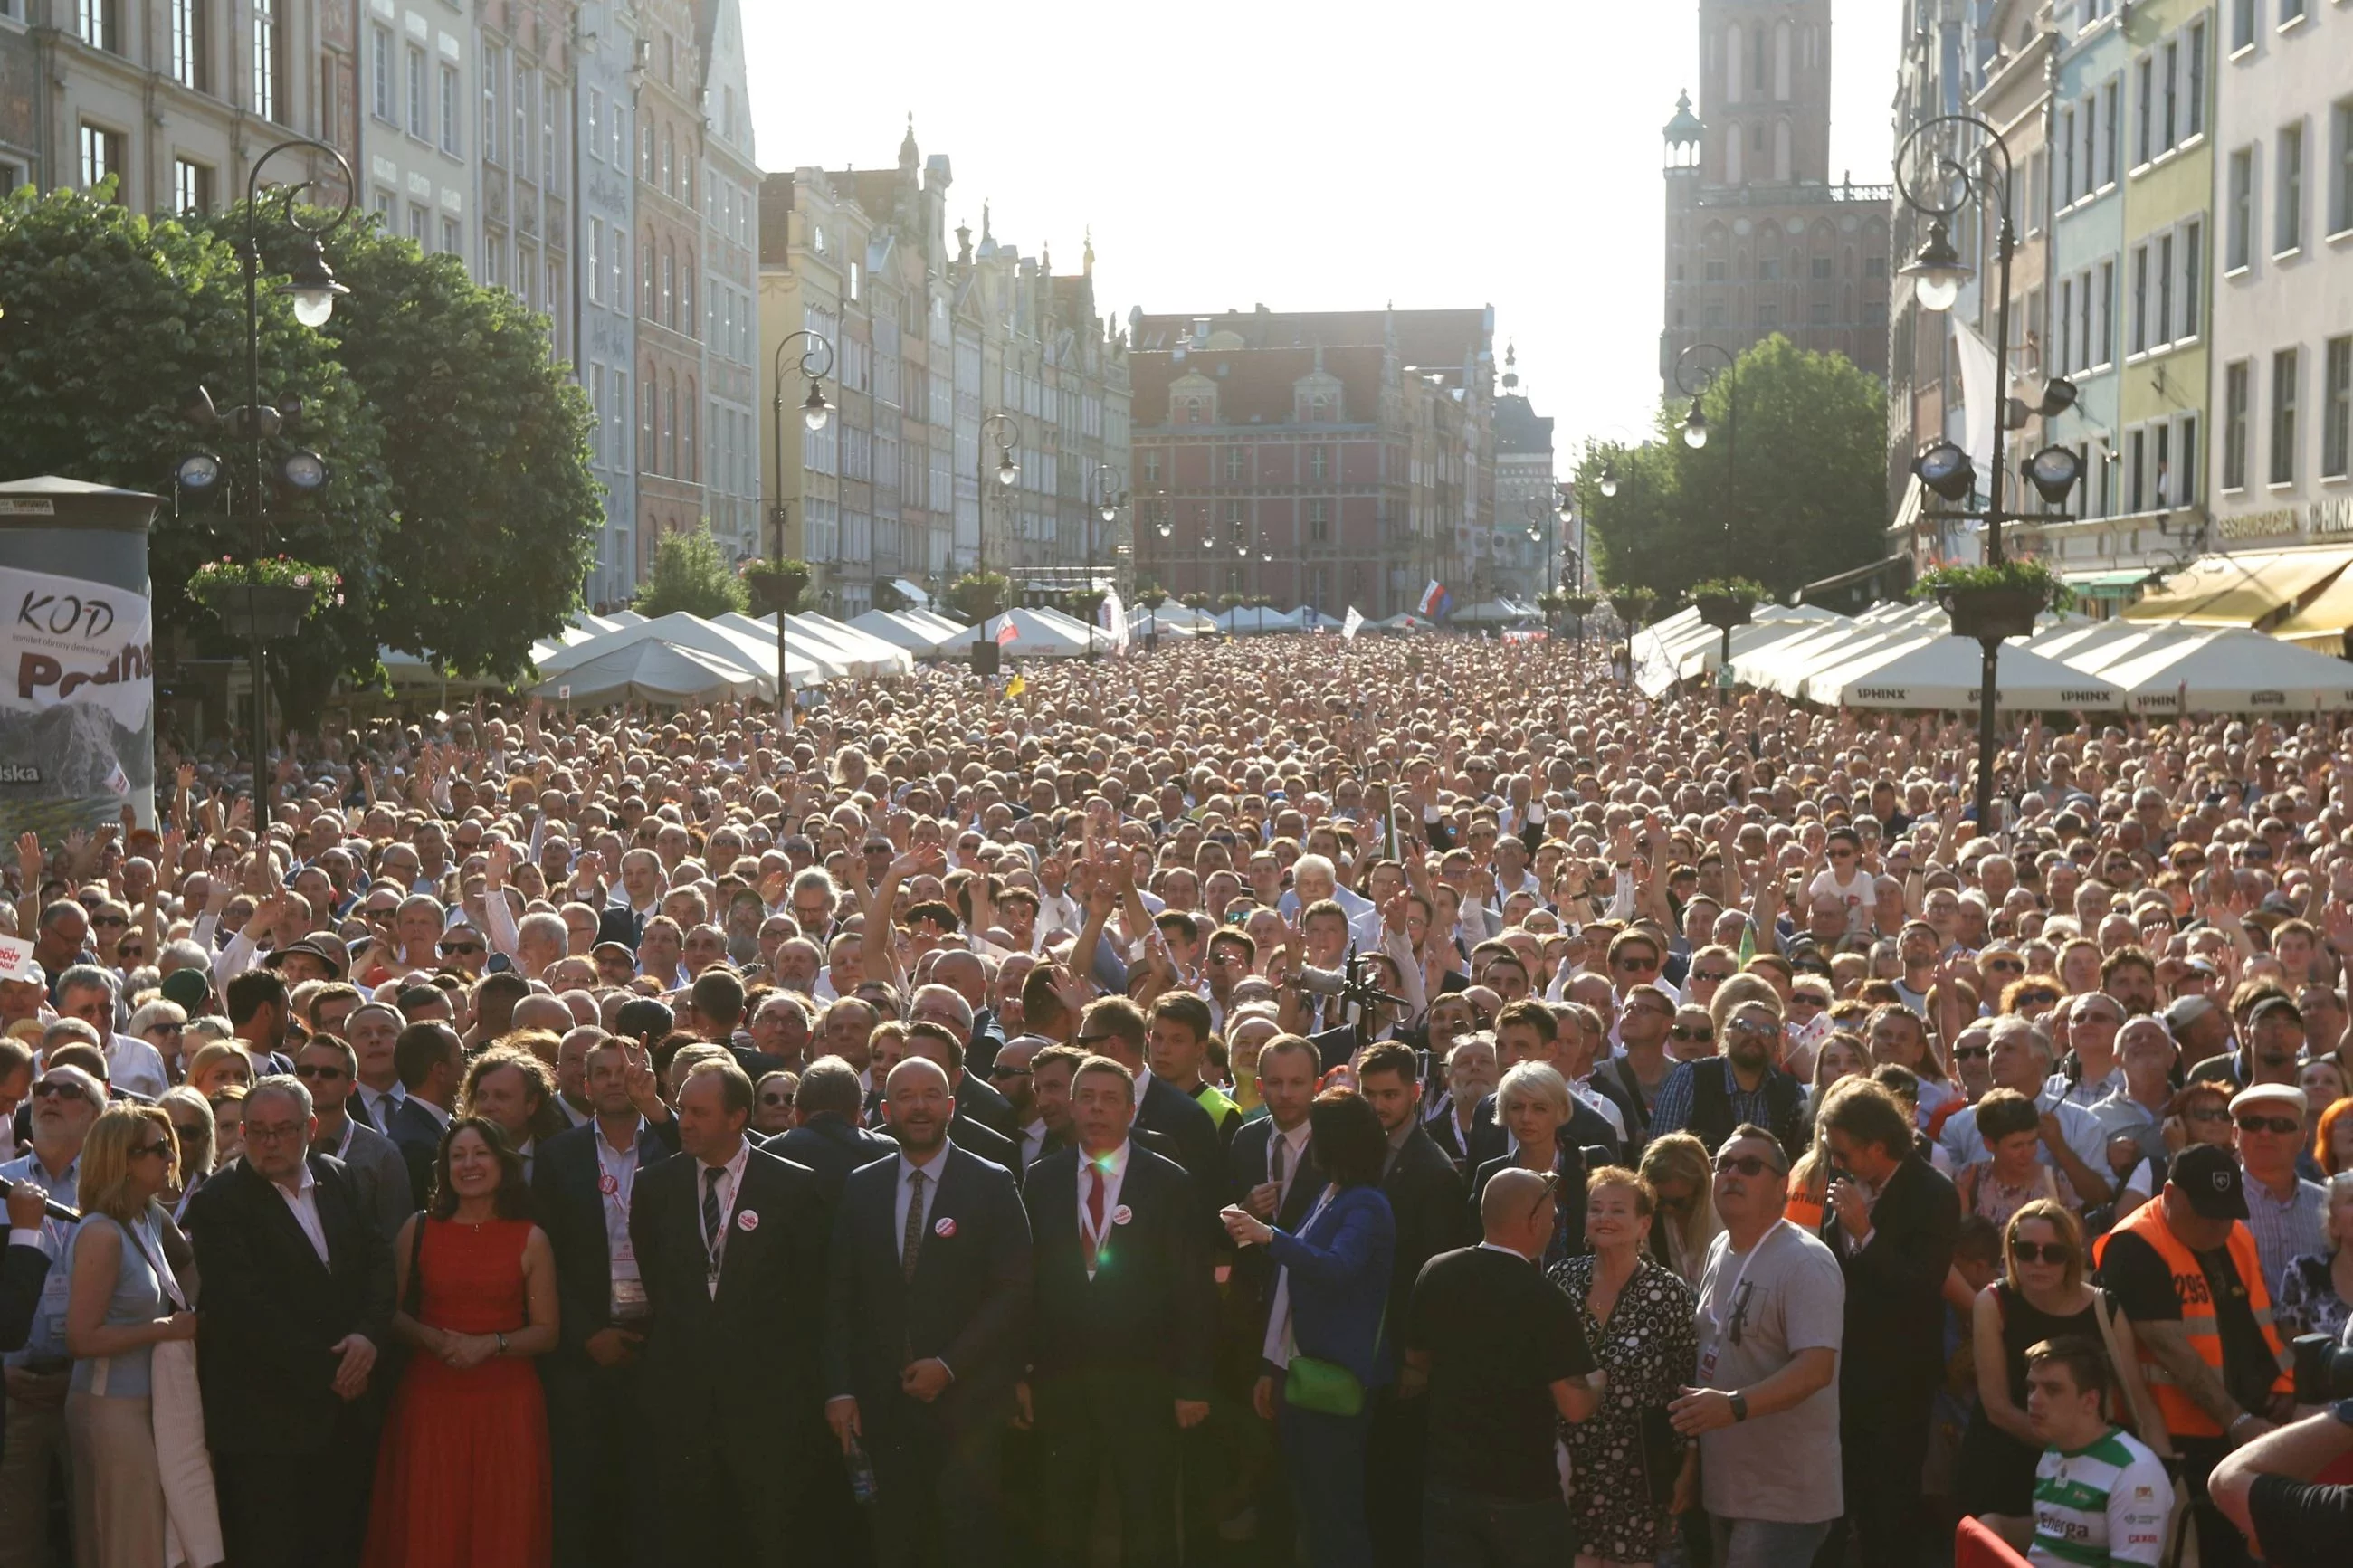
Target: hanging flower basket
(1578, 605)
(775, 587)
(1632, 605)
(1993, 602)
(268, 598)
(1726, 602)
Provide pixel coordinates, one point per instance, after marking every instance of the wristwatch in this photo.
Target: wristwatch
(2343, 1412)
(1739, 1406)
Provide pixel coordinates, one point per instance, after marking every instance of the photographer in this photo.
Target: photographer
(2265, 1489)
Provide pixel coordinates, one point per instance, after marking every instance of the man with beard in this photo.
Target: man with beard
(1712, 1096)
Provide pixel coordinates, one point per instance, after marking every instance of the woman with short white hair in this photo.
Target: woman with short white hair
(1532, 1105)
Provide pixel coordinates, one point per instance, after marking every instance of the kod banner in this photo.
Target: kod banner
(77, 703)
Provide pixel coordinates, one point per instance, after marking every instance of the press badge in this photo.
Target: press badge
(1706, 1366)
(628, 1301)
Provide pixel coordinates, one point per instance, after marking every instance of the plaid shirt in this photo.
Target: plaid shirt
(2286, 1229)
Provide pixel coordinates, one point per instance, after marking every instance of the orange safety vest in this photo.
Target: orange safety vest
(2184, 1416)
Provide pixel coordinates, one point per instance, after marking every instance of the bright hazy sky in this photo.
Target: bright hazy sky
(1496, 151)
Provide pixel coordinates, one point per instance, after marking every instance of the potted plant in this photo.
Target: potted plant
(1726, 602)
(267, 598)
(1631, 605)
(774, 586)
(1578, 605)
(1195, 600)
(981, 595)
(1991, 603)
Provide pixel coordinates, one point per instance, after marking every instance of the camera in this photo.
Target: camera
(2324, 1369)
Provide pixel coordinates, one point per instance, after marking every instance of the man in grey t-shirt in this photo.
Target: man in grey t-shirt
(1772, 1311)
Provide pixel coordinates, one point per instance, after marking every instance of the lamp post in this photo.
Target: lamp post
(1006, 430)
(817, 364)
(1693, 379)
(1948, 177)
(311, 287)
(1104, 504)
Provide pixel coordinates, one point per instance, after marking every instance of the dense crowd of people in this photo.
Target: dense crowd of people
(1359, 1103)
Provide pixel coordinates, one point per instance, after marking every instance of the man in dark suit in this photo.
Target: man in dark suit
(1115, 1028)
(1119, 1350)
(1892, 1220)
(937, 1044)
(828, 1141)
(730, 1244)
(925, 1316)
(432, 1062)
(945, 1007)
(328, 1067)
(1425, 1195)
(293, 1319)
(581, 1187)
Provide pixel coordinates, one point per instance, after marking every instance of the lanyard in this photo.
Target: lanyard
(1716, 1307)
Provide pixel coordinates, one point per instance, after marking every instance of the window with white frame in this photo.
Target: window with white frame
(271, 98)
(2284, 378)
(2287, 198)
(418, 123)
(2238, 216)
(191, 44)
(2337, 409)
(380, 70)
(2340, 166)
(453, 109)
(2238, 386)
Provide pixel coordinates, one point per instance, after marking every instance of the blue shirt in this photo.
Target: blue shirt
(48, 1338)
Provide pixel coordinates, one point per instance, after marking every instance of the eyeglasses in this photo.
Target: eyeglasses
(2098, 1016)
(2209, 1114)
(1631, 965)
(1804, 999)
(2028, 998)
(1551, 1186)
(1004, 1072)
(2286, 1125)
(1710, 977)
(50, 1088)
(1747, 1165)
(1971, 1053)
(109, 920)
(159, 1151)
(460, 949)
(1841, 854)
(775, 1100)
(317, 1070)
(1684, 1031)
(1766, 1028)
(2051, 1252)
(271, 1132)
(192, 1132)
(2013, 965)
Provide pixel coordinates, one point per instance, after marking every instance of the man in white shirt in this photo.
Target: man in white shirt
(87, 991)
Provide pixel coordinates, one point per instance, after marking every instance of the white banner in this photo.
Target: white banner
(77, 702)
(1355, 623)
(1113, 617)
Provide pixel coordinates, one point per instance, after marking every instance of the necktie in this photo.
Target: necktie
(1281, 1148)
(911, 1243)
(1094, 1216)
(713, 1225)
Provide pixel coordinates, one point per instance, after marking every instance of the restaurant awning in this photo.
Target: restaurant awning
(2239, 590)
(2322, 624)
(2105, 585)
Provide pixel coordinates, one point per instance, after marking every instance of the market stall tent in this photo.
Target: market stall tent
(651, 670)
(2231, 670)
(1941, 671)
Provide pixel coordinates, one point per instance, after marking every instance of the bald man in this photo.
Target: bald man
(924, 1341)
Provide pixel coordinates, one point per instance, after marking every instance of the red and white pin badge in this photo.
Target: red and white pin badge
(943, 1227)
(608, 1184)
(1122, 1215)
(747, 1220)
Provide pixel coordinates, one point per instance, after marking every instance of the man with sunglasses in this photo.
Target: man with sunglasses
(329, 1069)
(66, 1101)
(1713, 1094)
(2288, 1215)
(1771, 1318)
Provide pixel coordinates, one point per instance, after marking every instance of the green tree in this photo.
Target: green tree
(1811, 501)
(689, 574)
(113, 321)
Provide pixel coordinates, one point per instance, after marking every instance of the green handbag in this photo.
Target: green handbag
(1325, 1386)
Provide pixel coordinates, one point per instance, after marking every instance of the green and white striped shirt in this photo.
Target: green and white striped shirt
(2101, 1505)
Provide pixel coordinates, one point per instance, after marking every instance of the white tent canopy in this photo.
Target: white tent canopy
(1243, 621)
(888, 658)
(2231, 671)
(1168, 612)
(832, 663)
(1934, 670)
(724, 643)
(651, 670)
(917, 632)
(1038, 637)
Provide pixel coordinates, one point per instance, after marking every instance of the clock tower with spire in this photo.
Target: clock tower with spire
(1761, 237)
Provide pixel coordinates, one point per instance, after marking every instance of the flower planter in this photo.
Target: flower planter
(261, 609)
(770, 594)
(1630, 609)
(1723, 611)
(1579, 605)
(1994, 613)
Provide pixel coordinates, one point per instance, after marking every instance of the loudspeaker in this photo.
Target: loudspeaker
(986, 657)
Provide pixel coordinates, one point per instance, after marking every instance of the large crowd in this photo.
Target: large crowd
(1357, 1103)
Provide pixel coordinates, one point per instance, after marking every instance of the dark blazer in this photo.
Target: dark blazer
(987, 1039)
(22, 1271)
(1425, 1196)
(969, 1304)
(272, 1309)
(963, 1131)
(1169, 1110)
(380, 1175)
(1892, 1358)
(830, 1145)
(621, 923)
(977, 1099)
(749, 1353)
(417, 1133)
(568, 1202)
(1586, 1127)
(1340, 1266)
(1146, 1317)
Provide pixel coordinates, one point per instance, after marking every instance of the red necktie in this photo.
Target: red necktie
(1096, 1202)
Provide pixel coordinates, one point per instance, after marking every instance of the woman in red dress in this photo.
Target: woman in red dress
(461, 1477)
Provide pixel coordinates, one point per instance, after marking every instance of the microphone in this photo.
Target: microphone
(56, 1211)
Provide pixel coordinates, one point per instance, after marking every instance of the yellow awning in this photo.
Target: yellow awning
(2239, 590)
(2323, 622)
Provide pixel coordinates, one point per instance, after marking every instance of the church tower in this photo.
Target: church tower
(1761, 237)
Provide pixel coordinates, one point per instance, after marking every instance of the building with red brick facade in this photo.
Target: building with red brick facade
(1324, 458)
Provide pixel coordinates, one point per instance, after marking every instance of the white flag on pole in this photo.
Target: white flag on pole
(1355, 622)
(1113, 615)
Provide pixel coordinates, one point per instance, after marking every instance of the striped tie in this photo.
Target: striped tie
(911, 1242)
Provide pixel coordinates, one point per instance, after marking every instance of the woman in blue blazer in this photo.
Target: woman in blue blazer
(1329, 1303)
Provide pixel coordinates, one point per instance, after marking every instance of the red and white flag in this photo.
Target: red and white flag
(1007, 634)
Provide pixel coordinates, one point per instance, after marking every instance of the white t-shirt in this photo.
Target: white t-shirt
(1788, 1295)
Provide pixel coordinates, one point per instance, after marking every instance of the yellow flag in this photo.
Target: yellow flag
(1016, 687)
